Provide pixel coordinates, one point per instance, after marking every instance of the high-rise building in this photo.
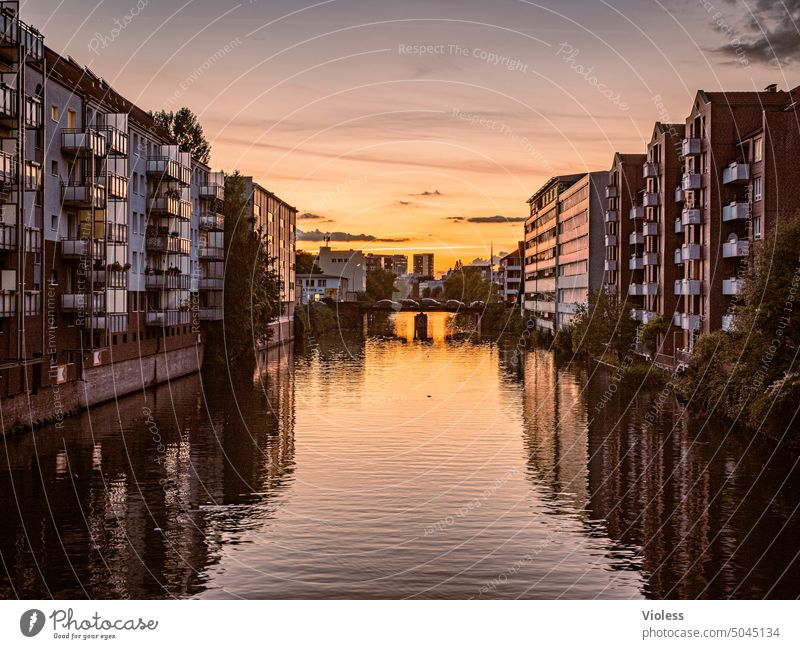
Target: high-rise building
(423, 265)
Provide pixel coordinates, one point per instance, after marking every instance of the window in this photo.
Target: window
(758, 149)
(54, 167)
(33, 175)
(54, 113)
(54, 222)
(756, 189)
(757, 228)
(72, 119)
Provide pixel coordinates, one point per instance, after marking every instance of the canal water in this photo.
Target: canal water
(378, 466)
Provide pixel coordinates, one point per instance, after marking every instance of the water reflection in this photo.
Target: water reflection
(373, 465)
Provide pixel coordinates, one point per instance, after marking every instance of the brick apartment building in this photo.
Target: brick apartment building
(111, 238)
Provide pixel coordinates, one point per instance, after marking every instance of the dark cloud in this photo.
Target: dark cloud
(318, 235)
(308, 216)
(496, 219)
(435, 192)
(769, 35)
(454, 218)
(405, 203)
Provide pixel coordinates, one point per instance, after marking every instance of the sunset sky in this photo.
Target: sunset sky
(335, 106)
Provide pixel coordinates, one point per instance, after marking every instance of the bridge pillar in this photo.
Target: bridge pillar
(420, 326)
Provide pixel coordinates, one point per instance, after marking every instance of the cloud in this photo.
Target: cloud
(496, 219)
(769, 35)
(454, 218)
(318, 235)
(435, 192)
(308, 216)
(405, 203)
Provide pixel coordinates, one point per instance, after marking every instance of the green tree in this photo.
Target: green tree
(252, 291)
(306, 264)
(603, 327)
(380, 284)
(750, 374)
(185, 128)
(649, 334)
(468, 285)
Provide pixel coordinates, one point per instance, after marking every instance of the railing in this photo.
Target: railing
(728, 322)
(687, 287)
(691, 181)
(8, 102)
(8, 305)
(164, 243)
(636, 238)
(650, 259)
(637, 212)
(83, 193)
(212, 191)
(691, 146)
(679, 195)
(650, 169)
(168, 318)
(690, 251)
(610, 264)
(611, 191)
(635, 263)
(116, 186)
(87, 302)
(82, 248)
(117, 141)
(212, 221)
(650, 229)
(736, 212)
(212, 283)
(8, 168)
(167, 281)
(169, 169)
(691, 216)
(86, 140)
(686, 321)
(33, 239)
(212, 252)
(736, 248)
(678, 257)
(611, 240)
(736, 172)
(678, 226)
(8, 236)
(650, 199)
(32, 303)
(14, 32)
(34, 114)
(212, 313)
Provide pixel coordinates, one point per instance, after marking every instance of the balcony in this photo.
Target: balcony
(646, 288)
(691, 216)
(678, 226)
(212, 283)
(610, 265)
(167, 244)
(117, 141)
(212, 253)
(610, 288)
(169, 169)
(212, 221)
(82, 249)
(679, 195)
(168, 317)
(8, 106)
(650, 229)
(611, 216)
(736, 212)
(635, 263)
(650, 259)
(8, 236)
(611, 240)
(33, 112)
(678, 257)
(736, 248)
(211, 313)
(171, 206)
(636, 238)
(650, 199)
(691, 252)
(8, 168)
(83, 193)
(83, 142)
(728, 322)
(212, 191)
(83, 302)
(687, 287)
(637, 314)
(691, 181)
(637, 212)
(736, 173)
(732, 286)
(611, 191)
(8, 305)
(648, 316)
(14, 32)
(650, 169)
(686, 321)
(33, 239)
(116, 186)
(691, 146)
(166, 281)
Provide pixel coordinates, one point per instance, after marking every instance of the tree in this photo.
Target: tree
(252, 291)
(468, 285)
(750, 374)
(649, 334)
(380, 284)
(603, 326)
(186, 130)
(306, 264)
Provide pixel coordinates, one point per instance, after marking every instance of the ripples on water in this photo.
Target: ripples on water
(384, 467)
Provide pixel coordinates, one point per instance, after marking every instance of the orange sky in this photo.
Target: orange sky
(415, 123)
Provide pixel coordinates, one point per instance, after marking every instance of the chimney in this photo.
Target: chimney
(773, 87)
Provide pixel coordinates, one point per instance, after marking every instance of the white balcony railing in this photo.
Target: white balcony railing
(691, 146)
(736, 212)
(691, 216)
(736, 248)
(687, 287)
(736, 172)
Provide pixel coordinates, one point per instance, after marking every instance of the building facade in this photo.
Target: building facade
(350, 264)
(423, 265)
(510, 274)
(316, 287)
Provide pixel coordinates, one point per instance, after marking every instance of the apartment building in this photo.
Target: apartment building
(624, 238)
(276, 220)
(423, 265)
(397, 264)
(350, 264)
(316, 287)
(541, 251)
(740, 179)
(509, 274)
